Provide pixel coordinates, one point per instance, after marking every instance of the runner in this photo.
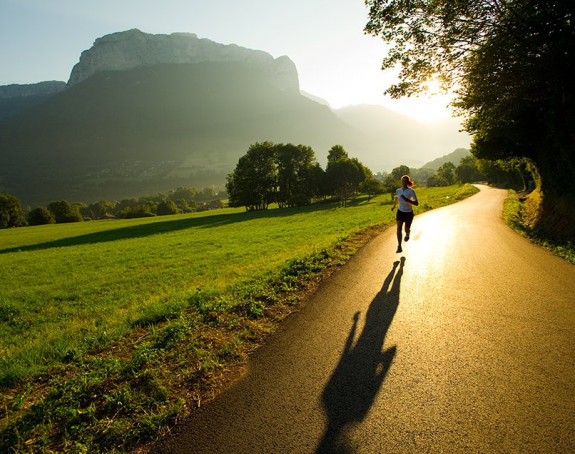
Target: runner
(406, 197)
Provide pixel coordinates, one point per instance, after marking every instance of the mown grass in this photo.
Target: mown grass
(111, 330)
(513, 214)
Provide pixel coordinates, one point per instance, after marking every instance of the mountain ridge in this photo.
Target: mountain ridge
(133, 48)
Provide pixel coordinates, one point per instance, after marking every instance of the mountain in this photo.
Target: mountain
(147, 113)
(453, 157)
(134, 49)
(18, 98)
(125, 133)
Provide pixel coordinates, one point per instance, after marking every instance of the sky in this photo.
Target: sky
(42, 40)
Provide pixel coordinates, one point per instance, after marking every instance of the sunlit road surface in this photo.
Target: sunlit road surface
(467, 345)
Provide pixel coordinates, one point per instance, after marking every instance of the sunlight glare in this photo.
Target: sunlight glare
(424, 108)
(430, 242)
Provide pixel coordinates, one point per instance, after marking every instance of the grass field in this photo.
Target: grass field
(76, 300)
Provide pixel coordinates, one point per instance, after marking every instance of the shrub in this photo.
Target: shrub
(40, 216)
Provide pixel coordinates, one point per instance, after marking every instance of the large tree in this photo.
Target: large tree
(63, 212)
(11, 214)
(511, 65)
(294, 171)
(253, 183)
(40, 216)
(344, 175)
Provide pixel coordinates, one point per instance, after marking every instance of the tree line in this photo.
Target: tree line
(180, 200)
(290, 175)
(286, 174)
(511, 174)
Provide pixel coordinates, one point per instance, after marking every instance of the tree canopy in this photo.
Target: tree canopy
(63, 211)
(11, 213)
(253, 182)
(291, 176)
(40, 216)
(510, 64)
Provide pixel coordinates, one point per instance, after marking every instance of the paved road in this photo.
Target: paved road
(465, 343)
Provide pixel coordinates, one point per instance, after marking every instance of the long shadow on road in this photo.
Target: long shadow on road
(355, 382)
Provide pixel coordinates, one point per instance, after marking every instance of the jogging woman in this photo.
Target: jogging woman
(406, 197)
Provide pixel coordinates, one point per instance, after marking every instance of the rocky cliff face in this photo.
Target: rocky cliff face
(133, 48)
(24, 91)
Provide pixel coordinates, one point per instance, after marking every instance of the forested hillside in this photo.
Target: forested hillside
(145, 130)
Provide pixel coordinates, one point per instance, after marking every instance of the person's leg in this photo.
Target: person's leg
(408, 227)
(399, 227)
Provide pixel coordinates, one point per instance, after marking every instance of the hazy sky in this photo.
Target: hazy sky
(43, 39)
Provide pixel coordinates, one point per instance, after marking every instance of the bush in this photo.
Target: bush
(63, 211)
(11, 214)
(167, 207)
(40, 216)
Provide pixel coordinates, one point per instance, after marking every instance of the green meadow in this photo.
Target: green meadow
(71, 292)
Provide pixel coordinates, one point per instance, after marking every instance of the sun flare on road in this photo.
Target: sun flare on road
(429, 241)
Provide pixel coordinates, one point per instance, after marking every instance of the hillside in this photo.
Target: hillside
(453, 157)
(122, 133)
(18, 98)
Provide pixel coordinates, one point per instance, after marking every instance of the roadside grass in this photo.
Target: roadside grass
(113, 330)
(513, 215)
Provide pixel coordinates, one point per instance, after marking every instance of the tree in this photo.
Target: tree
(436, 181)
(393, 180)
(40, 216)
(398, 172)
(63, 212)
(503, 173)
(317, 182)
(182, 193)
(83, 209)
(139, 211)
(467, 171)
(294, 164)
(446, 172)
(11, 214)
(345, 176)
(167, 207)
(101, 208)
(336, 153)
(511, 64)
(420, 176)
(253, 183)
(206, 194)
(371, 186)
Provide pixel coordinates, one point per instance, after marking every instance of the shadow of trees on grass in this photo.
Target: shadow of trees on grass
(165, 226)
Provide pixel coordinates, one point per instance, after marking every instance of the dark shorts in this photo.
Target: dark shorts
(405, 216)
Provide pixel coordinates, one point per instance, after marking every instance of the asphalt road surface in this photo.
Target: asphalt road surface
(464, 343)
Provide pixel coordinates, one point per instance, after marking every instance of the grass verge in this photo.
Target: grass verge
(513, 214)
(148, 333)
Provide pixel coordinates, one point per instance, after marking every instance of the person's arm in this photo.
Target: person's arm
(413, 202)
(395, 202)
